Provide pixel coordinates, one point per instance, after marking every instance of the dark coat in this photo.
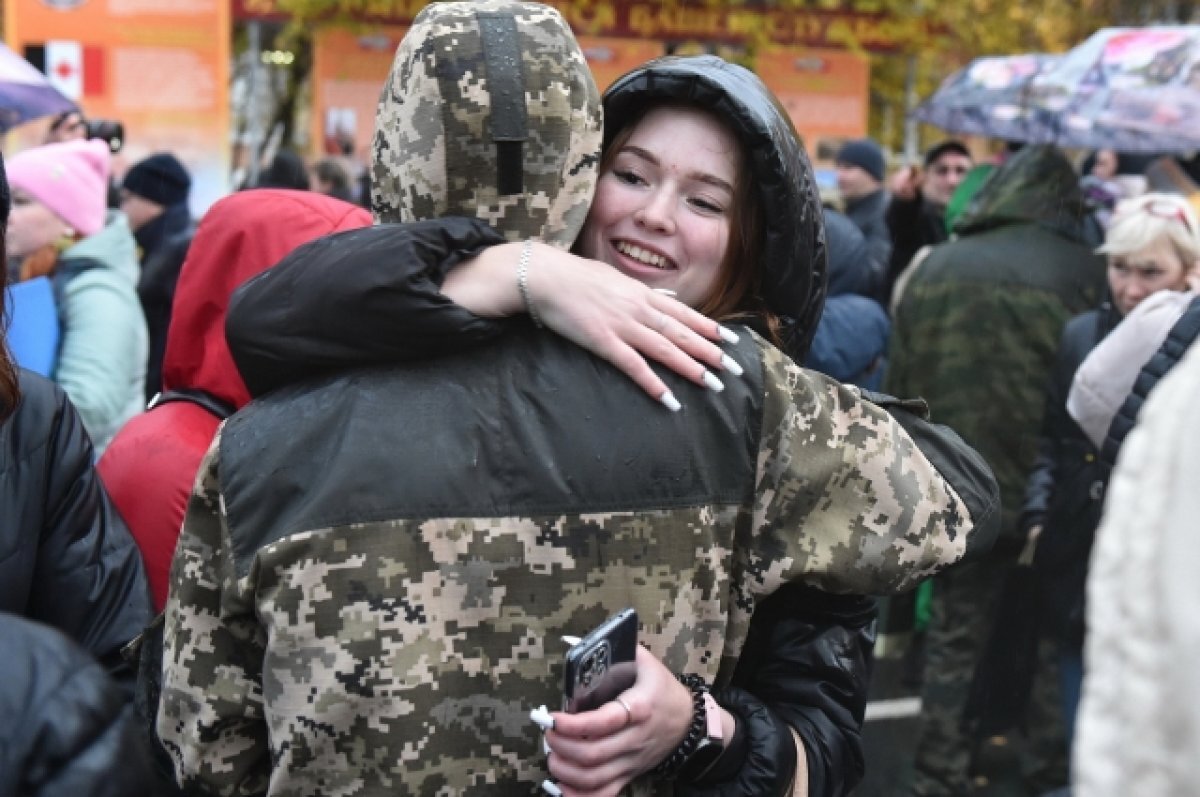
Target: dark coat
(68, 728)
(852, 335)
(912, 223)
(164, 245)
(66, 557)
(869, 213)
(977, 329)
(1064, 492)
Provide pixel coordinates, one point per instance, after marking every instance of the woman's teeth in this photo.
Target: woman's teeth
(642, 256)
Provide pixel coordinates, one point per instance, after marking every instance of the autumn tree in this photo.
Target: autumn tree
(931, 38)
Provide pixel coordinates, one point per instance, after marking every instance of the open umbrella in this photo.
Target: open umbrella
(1127, 89)
(25, 93)
(988, 97)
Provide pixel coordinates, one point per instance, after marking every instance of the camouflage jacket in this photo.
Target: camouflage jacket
(375, 568)
(977, 330)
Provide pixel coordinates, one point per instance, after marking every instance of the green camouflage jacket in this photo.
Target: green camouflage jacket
(977, 330)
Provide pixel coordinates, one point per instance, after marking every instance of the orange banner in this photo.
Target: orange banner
(610, 58)
(825, 92)
(160, 67)
(349, 71)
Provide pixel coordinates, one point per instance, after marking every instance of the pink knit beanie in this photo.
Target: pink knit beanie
(71, 179)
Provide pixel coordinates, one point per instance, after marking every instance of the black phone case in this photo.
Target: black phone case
(602, 665)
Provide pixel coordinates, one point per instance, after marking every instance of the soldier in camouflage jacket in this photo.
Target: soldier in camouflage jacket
(376, 566)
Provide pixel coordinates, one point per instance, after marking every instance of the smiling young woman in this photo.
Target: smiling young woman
(674, 183)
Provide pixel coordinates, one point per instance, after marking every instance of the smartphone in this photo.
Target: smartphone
(602, 665)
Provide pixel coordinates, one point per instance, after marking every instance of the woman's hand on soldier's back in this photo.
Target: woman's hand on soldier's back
(602, 310)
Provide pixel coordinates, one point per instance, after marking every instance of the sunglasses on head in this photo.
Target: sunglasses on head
(1168, 210)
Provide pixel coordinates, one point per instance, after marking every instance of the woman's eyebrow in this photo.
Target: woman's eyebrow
(703, 177)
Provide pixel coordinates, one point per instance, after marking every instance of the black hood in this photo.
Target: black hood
(793, 254)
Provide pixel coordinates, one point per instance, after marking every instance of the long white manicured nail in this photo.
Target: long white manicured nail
(727, 334)
(670, 402)
(546, 751)
(665, 291)
(731, 365)
(570, 640)
(711, 381)
(550, 788)
(542, 717)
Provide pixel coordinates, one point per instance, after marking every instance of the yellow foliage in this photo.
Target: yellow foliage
(937, 36)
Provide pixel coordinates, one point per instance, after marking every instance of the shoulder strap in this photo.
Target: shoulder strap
(201, 399)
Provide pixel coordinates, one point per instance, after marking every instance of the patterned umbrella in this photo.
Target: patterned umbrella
(1126, 89)
(988, 97)
(25, 93)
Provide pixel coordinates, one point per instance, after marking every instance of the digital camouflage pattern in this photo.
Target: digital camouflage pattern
(403, 656)
(434, 149)
(309, 655)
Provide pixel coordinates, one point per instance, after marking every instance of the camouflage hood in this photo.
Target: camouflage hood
(1036, 186)
(793, 254)
(489, 88)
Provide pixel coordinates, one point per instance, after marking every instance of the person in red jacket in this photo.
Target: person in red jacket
(149, 467)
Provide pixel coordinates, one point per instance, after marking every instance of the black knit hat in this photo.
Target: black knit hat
(863, 153)
(160, 178)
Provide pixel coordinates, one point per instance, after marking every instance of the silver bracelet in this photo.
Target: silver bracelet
(523, 281)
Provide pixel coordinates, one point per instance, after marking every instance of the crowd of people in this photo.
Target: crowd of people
(308, 496)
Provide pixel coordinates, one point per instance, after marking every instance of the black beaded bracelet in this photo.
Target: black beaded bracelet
(669, 767)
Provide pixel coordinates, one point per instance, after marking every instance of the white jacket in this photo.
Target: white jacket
(1138, 730)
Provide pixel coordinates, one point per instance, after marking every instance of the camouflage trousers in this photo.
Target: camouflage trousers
(964, 603)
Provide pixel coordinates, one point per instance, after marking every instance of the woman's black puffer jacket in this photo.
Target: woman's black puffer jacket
(66, 558)
(1064, 491)
(68, 728)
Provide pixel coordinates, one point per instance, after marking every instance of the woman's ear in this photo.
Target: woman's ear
(1193, 277)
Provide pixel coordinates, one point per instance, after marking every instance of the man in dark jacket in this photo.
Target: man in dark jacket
(154, 197)
(916, 216)
(860, 171)
(976, 334)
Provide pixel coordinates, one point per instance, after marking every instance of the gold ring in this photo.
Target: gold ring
(628, 713)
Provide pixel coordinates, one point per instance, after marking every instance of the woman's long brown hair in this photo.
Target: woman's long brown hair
(10, 391)
(10, 388)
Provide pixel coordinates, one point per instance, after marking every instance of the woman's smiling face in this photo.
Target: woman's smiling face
(662, 208)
